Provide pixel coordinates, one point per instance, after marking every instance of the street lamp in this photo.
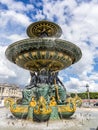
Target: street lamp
(87, 87)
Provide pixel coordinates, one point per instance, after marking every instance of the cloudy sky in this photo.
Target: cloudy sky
(79, 22)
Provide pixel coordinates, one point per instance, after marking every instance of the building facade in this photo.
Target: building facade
(10, 90)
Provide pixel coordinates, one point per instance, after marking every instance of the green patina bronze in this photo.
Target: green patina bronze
(44, 55)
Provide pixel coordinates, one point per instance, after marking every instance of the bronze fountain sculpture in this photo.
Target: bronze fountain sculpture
(44, 55)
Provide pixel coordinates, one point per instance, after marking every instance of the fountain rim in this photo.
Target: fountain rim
(29, 41)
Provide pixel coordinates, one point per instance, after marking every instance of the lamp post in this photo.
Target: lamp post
(87, 87)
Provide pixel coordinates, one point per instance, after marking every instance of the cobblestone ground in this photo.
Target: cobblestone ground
(83, 119)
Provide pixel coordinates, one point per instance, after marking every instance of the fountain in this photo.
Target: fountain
(44, 55)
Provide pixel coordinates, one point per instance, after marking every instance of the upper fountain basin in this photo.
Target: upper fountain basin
(35, 54)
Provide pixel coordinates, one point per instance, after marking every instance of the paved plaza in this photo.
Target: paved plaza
(83, 119)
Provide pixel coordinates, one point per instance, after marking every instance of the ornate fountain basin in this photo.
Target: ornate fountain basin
(35, 54)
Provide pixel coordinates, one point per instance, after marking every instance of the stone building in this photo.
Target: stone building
(10, 90)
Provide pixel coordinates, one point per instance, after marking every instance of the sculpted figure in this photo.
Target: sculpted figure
(33, 80)
(42, 77)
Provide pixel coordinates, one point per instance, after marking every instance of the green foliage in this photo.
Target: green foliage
(84, 95)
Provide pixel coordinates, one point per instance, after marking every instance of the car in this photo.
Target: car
(96, 104)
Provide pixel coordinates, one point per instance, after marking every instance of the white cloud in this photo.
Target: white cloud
(17, 6)
(76, 85)
(10, 72)
(13, 17)
(58, 9)
(39, 15)
(4, 70)
(15, 37)
(12, 26)
(85, 65)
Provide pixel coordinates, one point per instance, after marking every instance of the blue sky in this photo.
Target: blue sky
(79, 22)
